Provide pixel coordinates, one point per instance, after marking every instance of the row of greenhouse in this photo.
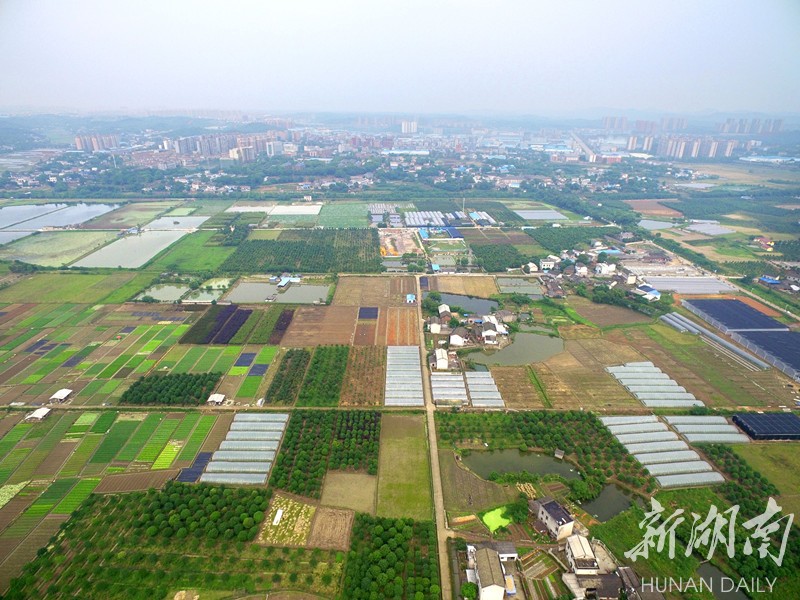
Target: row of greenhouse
(248, 451)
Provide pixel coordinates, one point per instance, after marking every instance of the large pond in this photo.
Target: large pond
(716, 578)
(32, 217)
(471, 305)
(611, 501)
(525, 349)
(249, 292)
(132, 251)
(483, 463)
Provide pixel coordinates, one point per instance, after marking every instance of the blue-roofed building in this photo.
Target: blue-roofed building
(648, 292)
(411, 298)
(435, 268)
(769, 280)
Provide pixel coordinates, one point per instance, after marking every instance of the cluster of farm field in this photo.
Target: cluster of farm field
(99, 351)
(47, 469)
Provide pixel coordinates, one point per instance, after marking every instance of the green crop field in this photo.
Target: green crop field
(76, 496)
(81, 455)
(195, 441)
(404, 477)
(168, 454)
(65, 287)
(343, 214)
(114, 441)
(135, 444)
(158, 440)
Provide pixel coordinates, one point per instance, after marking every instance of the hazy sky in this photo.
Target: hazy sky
(520, 56)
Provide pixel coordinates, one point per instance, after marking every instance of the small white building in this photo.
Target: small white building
(491, 577)
(435, 328)
(38, 415)
(442, 362)
(459, 336)
(216, 399)
(605, 269)
(580, 556)
(444, 310)
(60, 395)
(555, 518)
(532, 267)
(489, 333)
(548, 263)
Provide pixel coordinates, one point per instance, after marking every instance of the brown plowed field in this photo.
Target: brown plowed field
(317, 325)
(653, 208)
(374, 291)
(605, 315)
(217, 433)
(484, 236)
(516, 388)
(26, 552)
(398, 327)
(482, 287)
(365, 334)
(364, 378)
(14, 508)
(132, 482)
(54, 461)
(331, 529)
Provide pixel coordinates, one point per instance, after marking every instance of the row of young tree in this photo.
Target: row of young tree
(391, 559)
(323, 382)
(179, 389)
(289, 377)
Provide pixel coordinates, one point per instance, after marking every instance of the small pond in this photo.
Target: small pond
(611, 501)
(525, 349)
(472, 305)
(483, 463)
(165, 292)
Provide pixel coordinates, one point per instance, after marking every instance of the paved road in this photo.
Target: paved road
(442, 532)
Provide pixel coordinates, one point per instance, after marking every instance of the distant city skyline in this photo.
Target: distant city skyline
(550, 58)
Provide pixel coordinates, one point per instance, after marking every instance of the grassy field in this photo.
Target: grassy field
(66, 287)
(780, 463)
(55, 248)
(404, 478)
(344, 214)
(192, 254)
(350, 490)
(264, 234)
(131, 215)
(465, 492)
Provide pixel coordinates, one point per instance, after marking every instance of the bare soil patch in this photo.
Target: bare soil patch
(653, 208)
(374, 291)
(481, 287)
(364, 378)
(331, 529)
(316, 325)
(365, 334)
(605, 315)
(516, 388)
(133, 482)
